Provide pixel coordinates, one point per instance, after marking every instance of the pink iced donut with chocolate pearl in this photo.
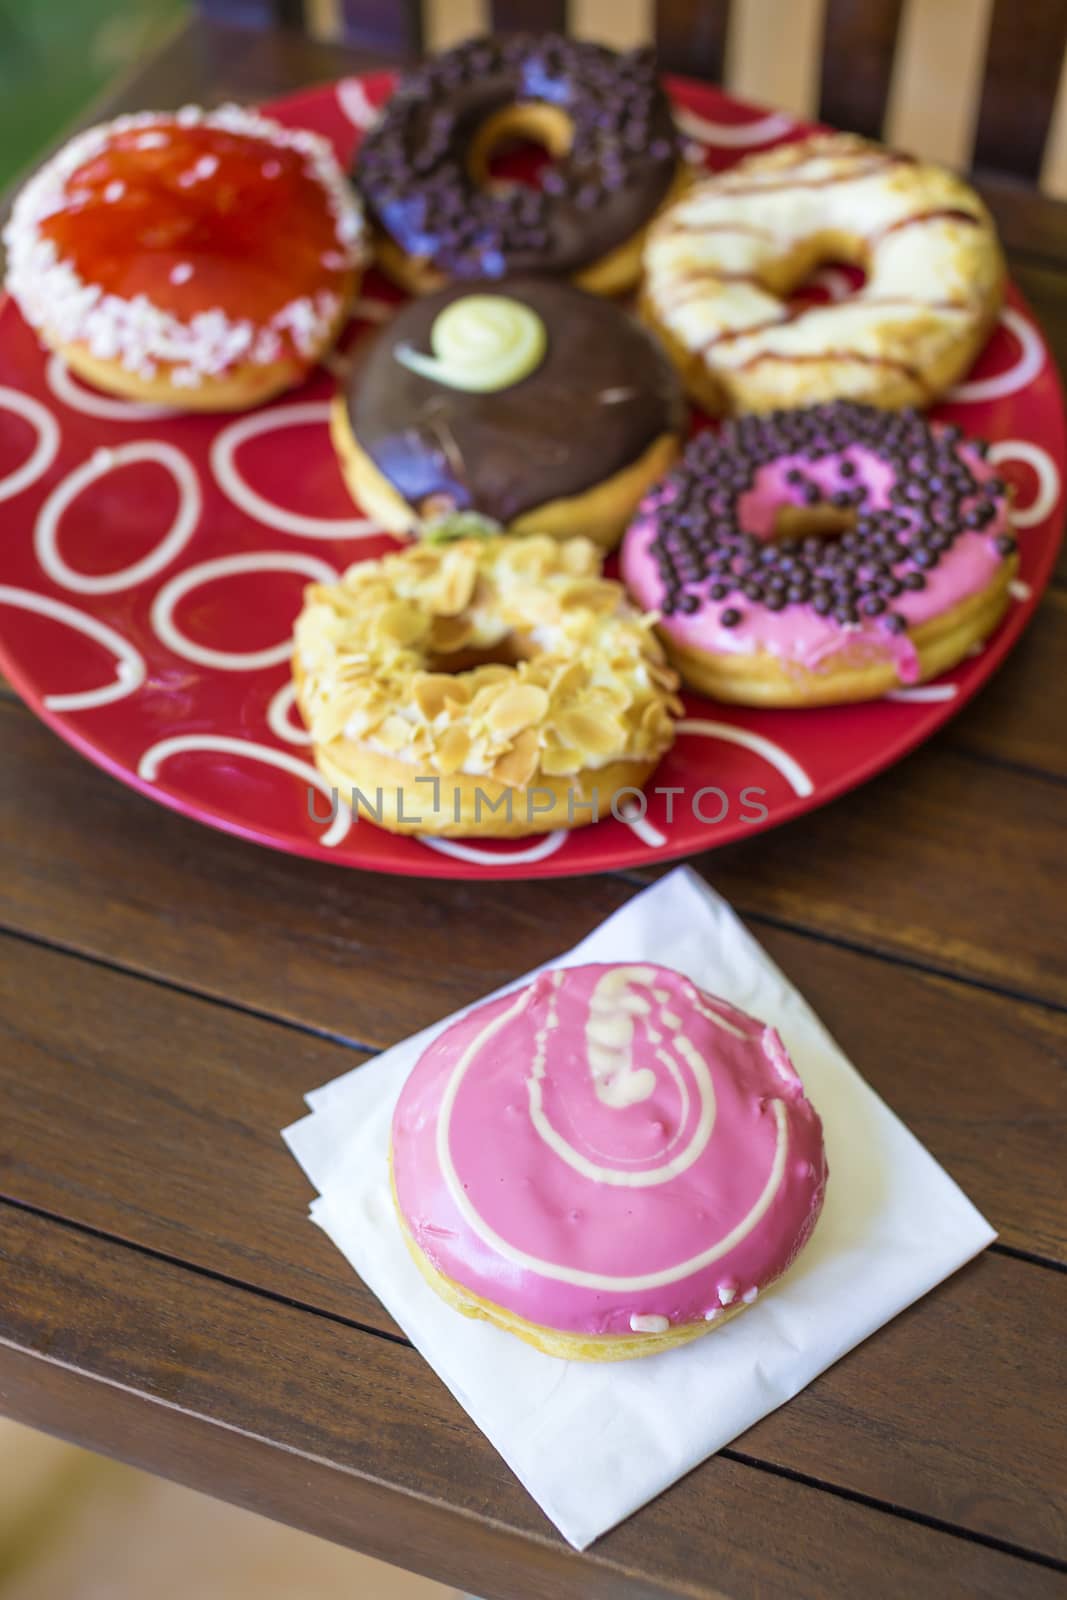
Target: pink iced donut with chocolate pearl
(822, 555)
(606, 1163)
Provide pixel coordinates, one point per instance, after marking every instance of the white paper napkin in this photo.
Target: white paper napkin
(593, 1441)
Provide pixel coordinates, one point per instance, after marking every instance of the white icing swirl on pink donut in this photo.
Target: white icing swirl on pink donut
(610, 1144)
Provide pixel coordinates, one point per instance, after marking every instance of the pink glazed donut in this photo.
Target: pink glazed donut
(607, 1163)
(828, 554)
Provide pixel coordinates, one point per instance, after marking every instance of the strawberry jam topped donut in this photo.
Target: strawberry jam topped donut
(602, 117)
(828, 554)
(205, 259)
(607, 1163)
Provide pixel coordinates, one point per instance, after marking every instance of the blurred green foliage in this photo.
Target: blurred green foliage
(55, 55)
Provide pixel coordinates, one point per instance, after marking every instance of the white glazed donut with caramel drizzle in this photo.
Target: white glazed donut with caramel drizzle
(607, 1163)
(721, 262)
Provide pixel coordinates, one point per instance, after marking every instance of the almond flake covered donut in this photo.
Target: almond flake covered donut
(822, 555)
(204, 259)
(721, 262)
(608, 1163)
(499, 687)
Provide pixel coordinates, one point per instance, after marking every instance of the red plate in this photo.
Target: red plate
(148, 592)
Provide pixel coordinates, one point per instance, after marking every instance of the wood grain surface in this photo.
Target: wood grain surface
(205, 1102)
(859, 37)
(355, 1438)
(169, 994)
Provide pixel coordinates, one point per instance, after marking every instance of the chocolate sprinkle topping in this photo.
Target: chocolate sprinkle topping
(850, 573)
(413, 164)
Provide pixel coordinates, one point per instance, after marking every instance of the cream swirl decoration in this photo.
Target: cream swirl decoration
(635, 1042)
(481, 343)
(618, 1082)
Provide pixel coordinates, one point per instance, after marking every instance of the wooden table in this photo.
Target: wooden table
(168, 994)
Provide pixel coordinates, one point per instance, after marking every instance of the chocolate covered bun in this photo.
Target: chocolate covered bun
(529, 402)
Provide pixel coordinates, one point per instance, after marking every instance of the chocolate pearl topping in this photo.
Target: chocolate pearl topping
(704, 554)
(413, 168)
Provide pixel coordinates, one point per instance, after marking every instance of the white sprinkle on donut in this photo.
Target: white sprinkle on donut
(649, 1324)
(134, 332)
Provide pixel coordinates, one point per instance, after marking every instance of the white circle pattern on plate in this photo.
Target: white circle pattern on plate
(279, 720)
(129, 662)
(217, 743)
(459, 850)
(1048, 478)
(836, 283)
(732, 135)
(924, 693)
(1024, 369)
(227, 567)
(352, 98)
(230, 480)
(44, 451)
(639, 824)
(132, 613)
(66, 388)
(99, 464)
(779, 759)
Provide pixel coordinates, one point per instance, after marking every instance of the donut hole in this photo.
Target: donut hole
(793, 519)
(508, 652)
(820, 521)
(800, 275)
(518, 144)
(829, 282)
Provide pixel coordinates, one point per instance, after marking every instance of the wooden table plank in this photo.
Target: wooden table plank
(177, 1152)
(1018, 717)
(995, 1465)
(281, 1387)
(932, 863)
(214, 1086)
(187, 1098)
(1044, 283)
(830, 872)
(1031, 224)
(336, 950)
(354, 1438)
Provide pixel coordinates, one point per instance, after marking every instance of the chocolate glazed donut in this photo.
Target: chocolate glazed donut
(568, 448)
(602, 116)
